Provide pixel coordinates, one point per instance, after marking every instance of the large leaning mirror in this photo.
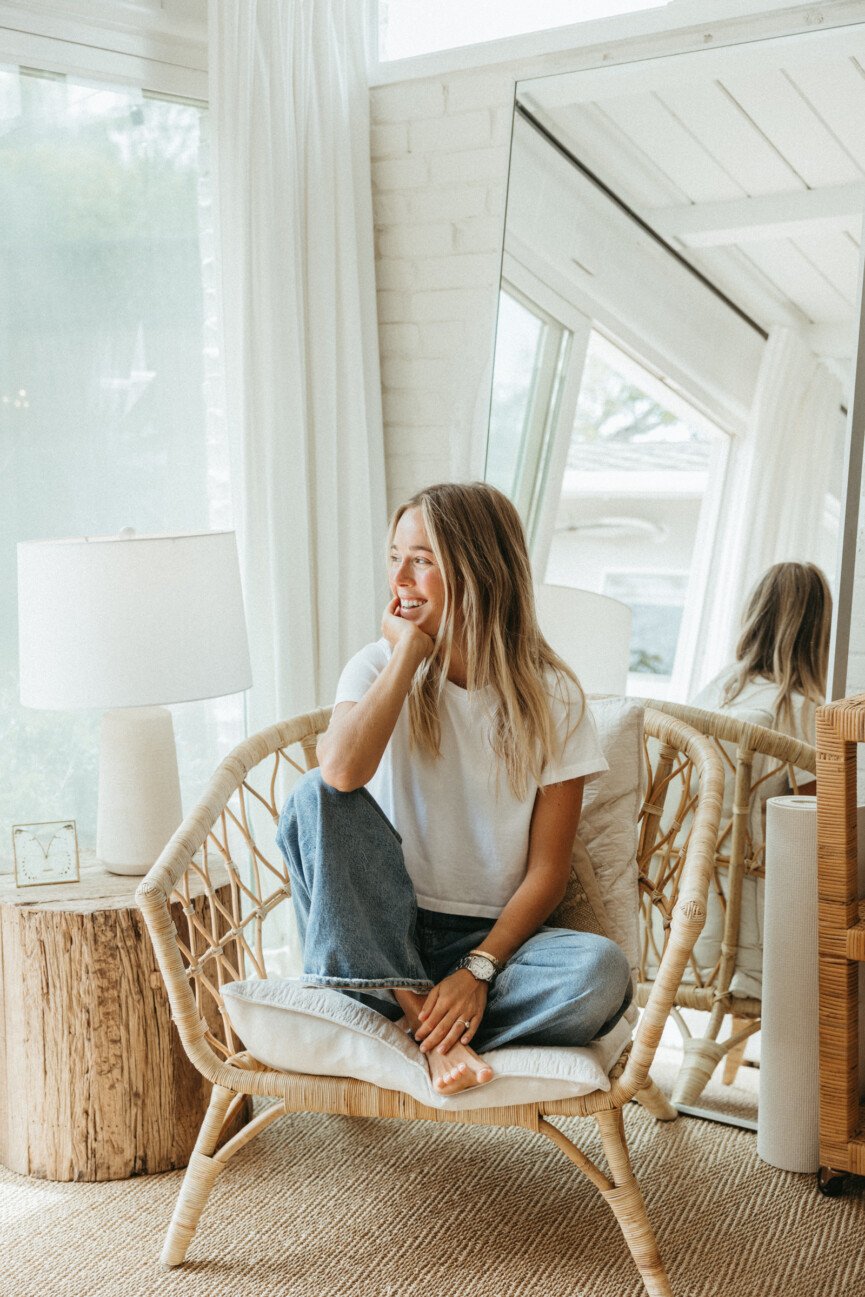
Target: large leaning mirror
(677, 328)
(675, 332)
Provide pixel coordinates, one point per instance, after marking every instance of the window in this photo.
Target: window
(636, 514)
(531, 354)
(409, 27)
(110, 407)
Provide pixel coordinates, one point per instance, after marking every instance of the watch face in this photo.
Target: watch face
(45, 853)
(480, 967)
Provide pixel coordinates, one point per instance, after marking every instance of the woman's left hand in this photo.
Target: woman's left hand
(455, 1001)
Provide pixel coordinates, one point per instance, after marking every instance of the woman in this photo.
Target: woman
(779, 676)
(435, 839)
(777, 680)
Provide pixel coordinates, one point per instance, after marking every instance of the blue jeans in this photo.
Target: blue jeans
(362, 931)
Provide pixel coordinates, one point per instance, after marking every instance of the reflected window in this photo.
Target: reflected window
(657, 601)
(110, 408)
(631, 521)
(531, 352)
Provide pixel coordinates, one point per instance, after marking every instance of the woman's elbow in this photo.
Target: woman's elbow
(342, 778)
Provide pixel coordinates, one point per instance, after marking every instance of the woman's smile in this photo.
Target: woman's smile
(415, 577)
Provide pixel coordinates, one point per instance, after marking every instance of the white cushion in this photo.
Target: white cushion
(296, 1028)
(609, 826)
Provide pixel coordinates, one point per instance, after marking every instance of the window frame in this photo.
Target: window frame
(495, 49)
(155, 55)
(544, 403)
(679, 27)
(540, 511)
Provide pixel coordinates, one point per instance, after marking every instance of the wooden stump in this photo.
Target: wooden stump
(94, 1082)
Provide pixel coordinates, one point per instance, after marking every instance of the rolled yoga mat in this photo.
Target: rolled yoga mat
(788, 1117)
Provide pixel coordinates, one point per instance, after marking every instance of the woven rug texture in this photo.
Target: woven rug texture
(322, 1206)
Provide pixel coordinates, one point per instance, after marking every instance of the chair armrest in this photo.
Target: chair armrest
(732, 729)
(689, 913)
(215, 932)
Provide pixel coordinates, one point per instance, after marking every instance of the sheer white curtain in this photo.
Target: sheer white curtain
(289, 103)
(775, 496)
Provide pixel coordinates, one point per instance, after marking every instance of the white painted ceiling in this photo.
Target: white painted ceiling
(750, 161)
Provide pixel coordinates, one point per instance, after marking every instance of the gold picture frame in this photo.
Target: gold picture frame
(46, 853)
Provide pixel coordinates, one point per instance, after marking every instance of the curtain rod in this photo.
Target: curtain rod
(635, 217)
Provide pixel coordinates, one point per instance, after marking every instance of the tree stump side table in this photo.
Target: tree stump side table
(94, 1082)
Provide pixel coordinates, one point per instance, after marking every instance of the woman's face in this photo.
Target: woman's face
(415, 577)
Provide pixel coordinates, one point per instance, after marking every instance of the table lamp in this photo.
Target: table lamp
(592, 632)
(129, 623)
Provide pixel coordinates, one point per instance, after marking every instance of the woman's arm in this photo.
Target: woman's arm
(555, 818)
(460, 997)
(352, 746)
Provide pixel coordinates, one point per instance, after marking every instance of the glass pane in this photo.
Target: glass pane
(110, 410)
(657, 601)
(637, 471)
(518, 344)
(408, 27)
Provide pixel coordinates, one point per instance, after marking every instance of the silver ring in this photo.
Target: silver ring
(467, 1022)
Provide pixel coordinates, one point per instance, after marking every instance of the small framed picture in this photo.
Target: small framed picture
(45, 853)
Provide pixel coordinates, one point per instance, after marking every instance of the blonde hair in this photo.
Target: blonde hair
(785, 636)
(478, 542)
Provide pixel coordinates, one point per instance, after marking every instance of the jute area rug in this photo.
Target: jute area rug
(324, 1206)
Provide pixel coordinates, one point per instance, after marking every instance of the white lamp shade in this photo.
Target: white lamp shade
(130, 621)
(590, 631)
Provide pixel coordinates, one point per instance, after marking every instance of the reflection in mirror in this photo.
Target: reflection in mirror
(673, 353)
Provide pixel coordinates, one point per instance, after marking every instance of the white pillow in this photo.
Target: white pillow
(296, 1028)
(608, 824)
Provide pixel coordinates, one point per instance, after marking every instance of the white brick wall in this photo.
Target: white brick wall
(440, 157)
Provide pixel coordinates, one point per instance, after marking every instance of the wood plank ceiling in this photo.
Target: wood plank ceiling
(749, 161)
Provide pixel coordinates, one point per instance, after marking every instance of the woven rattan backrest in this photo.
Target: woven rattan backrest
(757, 762)
(207, 898)
(224, 874)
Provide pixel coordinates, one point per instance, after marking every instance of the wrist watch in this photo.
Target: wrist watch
(481, 966)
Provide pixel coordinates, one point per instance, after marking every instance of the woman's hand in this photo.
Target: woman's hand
(455, 1001)
(396, 629)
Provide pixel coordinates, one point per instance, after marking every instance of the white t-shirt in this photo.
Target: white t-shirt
(465, 836)
(756, 705)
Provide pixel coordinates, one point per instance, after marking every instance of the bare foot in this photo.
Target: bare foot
(460, 1068)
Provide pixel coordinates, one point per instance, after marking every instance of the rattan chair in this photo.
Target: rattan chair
(212, 939)
(740, 857)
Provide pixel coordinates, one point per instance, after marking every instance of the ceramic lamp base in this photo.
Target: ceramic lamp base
(139, 788)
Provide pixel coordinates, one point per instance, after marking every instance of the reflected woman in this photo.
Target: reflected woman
(779, 676)
(777, 680)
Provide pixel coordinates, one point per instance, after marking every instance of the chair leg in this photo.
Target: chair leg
(701, 1057)
(201, 1174)
(205, 1165)
(733, 1060)
(626, 1202)
(622, 1195)
(656, 1102)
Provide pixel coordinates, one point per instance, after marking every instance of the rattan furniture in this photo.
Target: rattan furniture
(233, 826)
(841, 943)
(740, 856)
